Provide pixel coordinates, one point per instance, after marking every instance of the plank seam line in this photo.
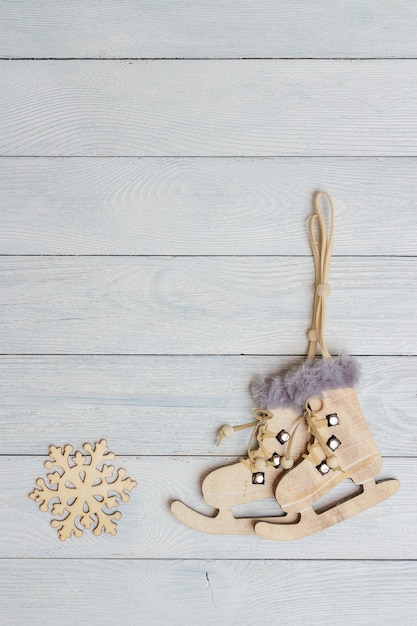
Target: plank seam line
(202, 256)
(185, 355)
(205, 457)
(206, 560)
(204, 156)
(232, 58)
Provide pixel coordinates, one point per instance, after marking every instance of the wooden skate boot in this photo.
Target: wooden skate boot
(341, 447)
(280, 437)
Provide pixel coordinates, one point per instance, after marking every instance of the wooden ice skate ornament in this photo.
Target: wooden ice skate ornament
(309, 435)
(341, 444)
(83, 490)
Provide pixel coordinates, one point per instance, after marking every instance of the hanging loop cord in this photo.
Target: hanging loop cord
(321, 241)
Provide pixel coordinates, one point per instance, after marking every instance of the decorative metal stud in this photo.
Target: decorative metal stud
(332, 419)
(282, 437)
(275, 460)
(323, 468)
(258, 478)
(333, 443)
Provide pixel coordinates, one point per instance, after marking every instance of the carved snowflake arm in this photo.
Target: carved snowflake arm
(99, 452)
(67, 526)
(59, 457)
(107, 522)
(122, 485)
(75, 513)
(43, 495)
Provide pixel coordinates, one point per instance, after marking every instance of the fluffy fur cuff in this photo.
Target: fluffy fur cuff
(310, 378)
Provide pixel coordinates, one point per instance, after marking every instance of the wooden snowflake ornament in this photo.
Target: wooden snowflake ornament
(83, 491)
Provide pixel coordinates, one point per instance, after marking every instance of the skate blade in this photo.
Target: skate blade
(310, 522)
(223, 523)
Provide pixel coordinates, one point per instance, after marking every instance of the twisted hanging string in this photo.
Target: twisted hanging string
(321, 241)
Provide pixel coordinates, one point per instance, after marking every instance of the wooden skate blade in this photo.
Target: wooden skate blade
(223, 523)
(311, 522)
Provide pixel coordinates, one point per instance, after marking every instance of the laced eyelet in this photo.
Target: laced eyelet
(332, 419)
(333, 443)
(323, 468)
(282, 437)
(275, 460)
(258, 478)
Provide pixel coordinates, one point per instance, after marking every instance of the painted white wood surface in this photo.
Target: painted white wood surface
(202, 107)
(203, 305)
(213, 28)
(204, 206)
(145, 405)
(148, 529)
(219, 593)
(162, 410)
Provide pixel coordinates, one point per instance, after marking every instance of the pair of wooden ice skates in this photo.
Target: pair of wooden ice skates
(309, 434)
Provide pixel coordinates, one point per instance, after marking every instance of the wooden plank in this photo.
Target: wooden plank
(223, 107)
(287, 28)
(204, 206)
(200, 305)
(224, 593)
(148, 529)
(128, 399)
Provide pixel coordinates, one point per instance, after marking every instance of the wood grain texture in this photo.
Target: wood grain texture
(202, 305)
(214, 29)
(223, 594)
(204, 206)
(186, 399)
(238, 107)
(156, 335)
(148, 529)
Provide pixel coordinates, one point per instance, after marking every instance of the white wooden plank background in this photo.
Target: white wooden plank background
(204, 206)
(79, 396)
(220, 593)
(209, 107)
(201, 165)
(213, 28)
(202, 305)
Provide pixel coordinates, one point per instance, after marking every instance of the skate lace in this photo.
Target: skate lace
(228, 431)
(318, 443)
(262, 433)
(259, 433)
